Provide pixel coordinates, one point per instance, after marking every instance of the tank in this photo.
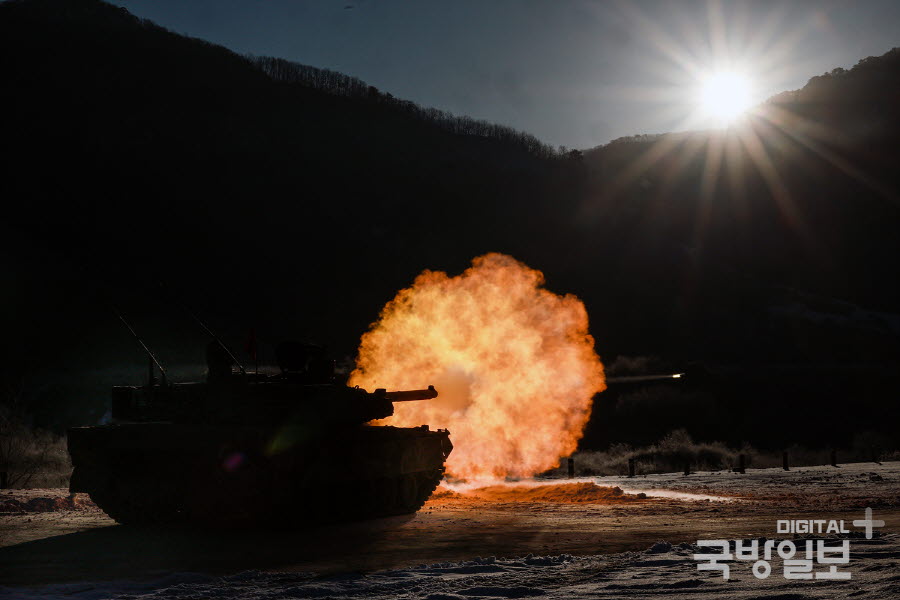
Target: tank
(288, 449)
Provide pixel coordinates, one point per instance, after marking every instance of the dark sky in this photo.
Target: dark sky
(576, 73)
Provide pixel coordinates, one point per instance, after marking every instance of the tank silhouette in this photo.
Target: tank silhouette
(290, 449)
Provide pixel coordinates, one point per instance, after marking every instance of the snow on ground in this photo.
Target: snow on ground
(462, 525)
(768, 483)
(820, 487)
(662, 570)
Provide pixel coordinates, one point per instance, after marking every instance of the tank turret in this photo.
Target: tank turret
(257, 398)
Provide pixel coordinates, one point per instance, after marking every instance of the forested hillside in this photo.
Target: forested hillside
(295, 201)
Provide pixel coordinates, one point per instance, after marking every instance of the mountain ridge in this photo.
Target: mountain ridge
(266, 203)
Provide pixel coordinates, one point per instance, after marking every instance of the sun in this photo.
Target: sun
(725, 95)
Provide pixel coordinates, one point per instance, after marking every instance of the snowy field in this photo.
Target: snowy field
(551, 539)
(662, 570)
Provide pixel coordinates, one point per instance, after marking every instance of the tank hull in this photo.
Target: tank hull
(216, 475)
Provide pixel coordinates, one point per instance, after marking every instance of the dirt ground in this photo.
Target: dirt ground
(46, 537)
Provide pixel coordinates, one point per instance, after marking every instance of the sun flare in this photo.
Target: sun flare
(725, 96)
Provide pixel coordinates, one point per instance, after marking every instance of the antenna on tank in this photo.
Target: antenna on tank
(206, 328)
(218, 341)
(153, 360)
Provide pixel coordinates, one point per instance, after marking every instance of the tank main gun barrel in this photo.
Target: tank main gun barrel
(409, 395)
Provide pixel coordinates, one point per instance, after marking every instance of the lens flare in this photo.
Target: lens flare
(514, 365)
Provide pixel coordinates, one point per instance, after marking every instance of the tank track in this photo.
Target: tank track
(218, 476)
(140, 506)
(136, 502)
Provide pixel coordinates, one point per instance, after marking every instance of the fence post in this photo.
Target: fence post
(833, 457)
(631, 467)
(571, 465)
(784, 461)
(742, 464)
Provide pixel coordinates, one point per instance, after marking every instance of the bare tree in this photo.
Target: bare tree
(26, 454)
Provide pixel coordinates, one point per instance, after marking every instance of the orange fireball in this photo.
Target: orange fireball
(514, 365)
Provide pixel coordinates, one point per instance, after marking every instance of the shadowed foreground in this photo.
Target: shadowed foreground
(79, 545)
